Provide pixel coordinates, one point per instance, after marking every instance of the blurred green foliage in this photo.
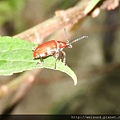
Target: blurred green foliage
(10, 10)
(23, 14)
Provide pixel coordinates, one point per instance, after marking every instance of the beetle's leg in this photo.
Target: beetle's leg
(41, 61)
(61, 58)
(33, 49)
(57, 50)
(64, 57)
(56, 57)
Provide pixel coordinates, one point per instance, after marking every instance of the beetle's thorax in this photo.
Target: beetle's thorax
(64, 44)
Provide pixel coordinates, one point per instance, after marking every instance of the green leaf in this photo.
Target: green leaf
(91, 5)
(16, 56)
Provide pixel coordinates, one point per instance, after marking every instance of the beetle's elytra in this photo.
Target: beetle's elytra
(54, 48)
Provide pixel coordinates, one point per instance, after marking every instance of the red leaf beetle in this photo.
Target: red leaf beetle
(54, 48)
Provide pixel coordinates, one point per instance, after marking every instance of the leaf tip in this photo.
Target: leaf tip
(75, 83)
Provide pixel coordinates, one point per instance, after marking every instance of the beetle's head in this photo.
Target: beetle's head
(69, 45)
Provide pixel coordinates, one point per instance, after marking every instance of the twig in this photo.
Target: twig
(19, 94)
(61, 19)
(15, 83)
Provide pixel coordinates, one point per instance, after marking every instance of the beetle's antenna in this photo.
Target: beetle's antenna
(66, 35)
(79, 39)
